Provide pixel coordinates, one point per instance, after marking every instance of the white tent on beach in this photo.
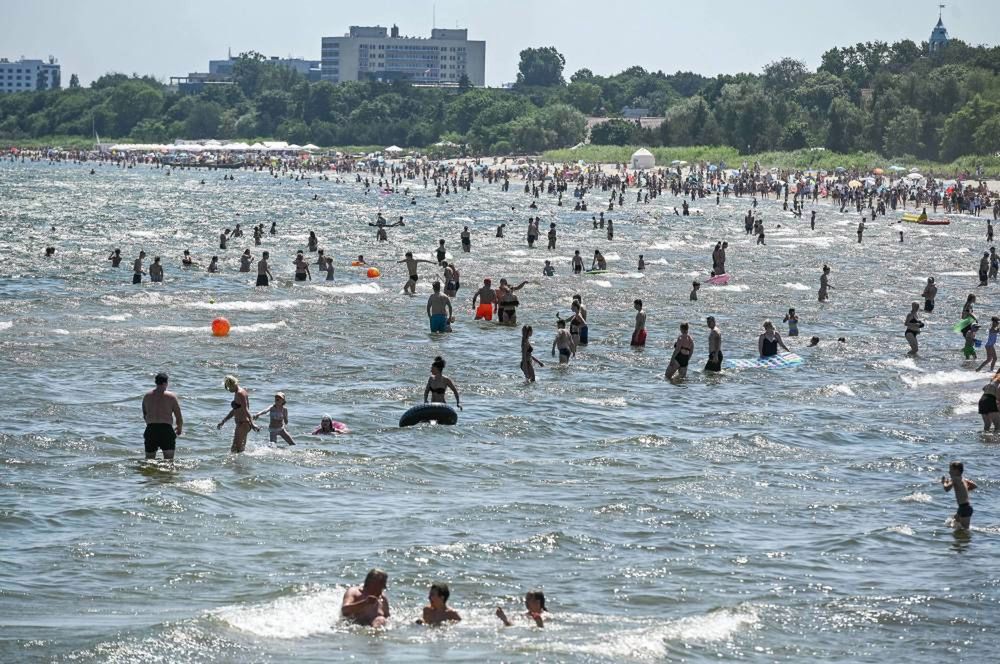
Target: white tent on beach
(642, 159)
(393, 149)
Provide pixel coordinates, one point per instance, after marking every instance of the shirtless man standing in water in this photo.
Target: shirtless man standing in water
(367, 604)
(411, 264)
(159, 409)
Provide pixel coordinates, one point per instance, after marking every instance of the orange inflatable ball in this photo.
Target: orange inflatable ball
(374, 273)
(220, 327)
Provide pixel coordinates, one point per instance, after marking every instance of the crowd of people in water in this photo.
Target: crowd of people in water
(871, 197)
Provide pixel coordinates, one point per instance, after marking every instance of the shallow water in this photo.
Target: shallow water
(762, 515)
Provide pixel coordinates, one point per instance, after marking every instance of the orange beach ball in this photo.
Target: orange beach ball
(220, 327)
(374, 273)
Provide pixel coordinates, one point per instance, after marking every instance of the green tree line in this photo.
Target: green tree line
(899, 100)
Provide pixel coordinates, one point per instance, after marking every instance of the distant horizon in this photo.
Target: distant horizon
(187, 34)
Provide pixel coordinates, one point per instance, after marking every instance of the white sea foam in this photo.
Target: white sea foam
(675, 244)
(205, 329)
(203, 487)
(794, 285)
(6, 324)
(246, 305)
(942, 378)
(294, 617)
(959, 274)
(902, 530)
(736, 288)
(602, 283)
(843, 388)
(352, 289)
(117, 318)
(905, 363)
(917, 497)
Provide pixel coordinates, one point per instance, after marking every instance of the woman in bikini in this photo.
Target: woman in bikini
(438, 384)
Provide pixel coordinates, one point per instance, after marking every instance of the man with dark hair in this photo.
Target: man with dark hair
(367, 604)
(160, 409)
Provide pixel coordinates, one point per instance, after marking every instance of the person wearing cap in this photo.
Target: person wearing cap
(487, 298)
(160, 409)
(278, 419)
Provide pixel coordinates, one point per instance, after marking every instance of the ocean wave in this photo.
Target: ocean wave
(352, 289)
(294, 617)
(794, 285)
(6, 324)
(943, 378)
(206, 329)
(247, 305)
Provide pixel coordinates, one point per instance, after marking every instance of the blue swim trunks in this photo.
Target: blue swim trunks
(439, 323)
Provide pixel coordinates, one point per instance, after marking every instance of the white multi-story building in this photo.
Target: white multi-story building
(26, 75)
(376, 53)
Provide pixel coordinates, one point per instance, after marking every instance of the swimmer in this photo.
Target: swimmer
(328, 427)
(552, 236)
(367, 604)
(51, 251)
(487, 298)
(115, 258)
(639, 331)
(507, 302)
(312, 244)
(240, 410)
(329, 269)
(548, 270)
(969, 350)
(245, 260)
(991, 343)
(769, 341)
(160, 410)
(156, 270)
(186, 260)
(411, 264)
(528, 360)
(223, 239)
(930, 292)
(988, 404)
(599, 262)
(967, 310)
(500, 230)
(912, 325)
(813, 342)
(437, 610)
(824, 284)
(642, 264)
(439, 311)
(793, 322)
(438, 383)
(213, 265)
(962, 487)
(466, 238)
(683, 349)
(451, 280)
(534, 604)
(564, 342)
(137, 270)
(278, 419)
(301, 267)
(441, 253)
(577, 262)
(264, 276)
(714, 346)
(693, 297)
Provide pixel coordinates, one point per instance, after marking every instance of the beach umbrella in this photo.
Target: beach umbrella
(393, 149)
(310, 147)
(915, 176)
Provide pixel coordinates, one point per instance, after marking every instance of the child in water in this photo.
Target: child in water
(534, 602)
(793, 323)
(437, 610)
(969, 351)
(963, 517)
(278, 420)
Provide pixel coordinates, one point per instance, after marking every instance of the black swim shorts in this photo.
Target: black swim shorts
(682, 359)
(965, 510)
(262, 280)
(159, 436)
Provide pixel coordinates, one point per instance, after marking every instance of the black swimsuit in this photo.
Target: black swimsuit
(770, 347)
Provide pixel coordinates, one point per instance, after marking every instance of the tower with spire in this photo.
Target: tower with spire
(939, 35)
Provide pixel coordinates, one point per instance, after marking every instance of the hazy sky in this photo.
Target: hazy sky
(172, 37)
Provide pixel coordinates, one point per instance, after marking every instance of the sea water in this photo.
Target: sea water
(758, 515)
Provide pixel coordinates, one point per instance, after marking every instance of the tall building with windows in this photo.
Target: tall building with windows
(377, 53)
(26, 75)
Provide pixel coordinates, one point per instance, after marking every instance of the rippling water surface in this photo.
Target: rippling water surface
(786, 515)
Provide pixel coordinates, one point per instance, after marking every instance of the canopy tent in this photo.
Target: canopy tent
(393, 149)
(915, 176)
(642, 159)
(310, 147)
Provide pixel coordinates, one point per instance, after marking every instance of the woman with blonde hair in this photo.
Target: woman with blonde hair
(240, 412)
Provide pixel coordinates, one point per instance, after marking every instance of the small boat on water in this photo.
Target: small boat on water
(176, 162)
(922, 219)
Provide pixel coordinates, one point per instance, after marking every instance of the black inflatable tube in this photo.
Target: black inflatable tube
(429, 412)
